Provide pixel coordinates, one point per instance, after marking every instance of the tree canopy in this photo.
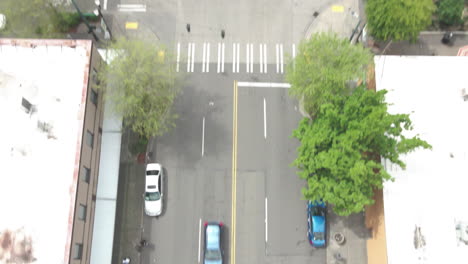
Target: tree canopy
(398, 19)
(142, 84)
(323, 68)
(36, 18)
(338, 150)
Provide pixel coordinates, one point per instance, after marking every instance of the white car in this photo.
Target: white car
(154, 189)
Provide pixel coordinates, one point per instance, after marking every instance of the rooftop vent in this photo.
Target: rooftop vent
(27, 106)
(464, 94)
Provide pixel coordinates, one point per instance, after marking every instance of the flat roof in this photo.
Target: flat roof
(43, 86)
(428, 199)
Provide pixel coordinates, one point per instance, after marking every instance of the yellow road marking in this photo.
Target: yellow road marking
(161, 55)
(131, 25)
(337, 8)
(234, 172)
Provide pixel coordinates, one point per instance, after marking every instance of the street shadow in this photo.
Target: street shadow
(225, 245)
(354, 223)
(184, 141)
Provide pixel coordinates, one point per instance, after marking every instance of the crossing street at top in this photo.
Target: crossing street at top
(256, 56)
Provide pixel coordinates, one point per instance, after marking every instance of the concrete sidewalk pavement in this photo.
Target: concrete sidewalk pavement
(129, 213)
(342, 17)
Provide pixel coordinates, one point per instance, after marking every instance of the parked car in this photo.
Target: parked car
(316, 218)
(212, 252)
(154, 189)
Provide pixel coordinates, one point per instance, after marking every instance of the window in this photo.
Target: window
(85, 174)
(78, 251)
(94, 76)
(94, 96)
(89, 138)
(82, 212)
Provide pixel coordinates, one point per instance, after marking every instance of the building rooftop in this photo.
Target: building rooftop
(428, 199)
(43, 86)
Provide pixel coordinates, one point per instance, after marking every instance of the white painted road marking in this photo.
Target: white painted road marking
(251, 58)
(208, 58)
(264, 119)
(233, 57)
(238, 55)
(199, 240)
(281, 57)
(188, 58)
(261, 58)
(178, 55)
(193, 55)
(203, 138)
(204, 56)
(263, 85)
(266, 219)
(265, 67)
(219, 58)
(277, 58)
(132, 8)
(105, 4)
(247, 65)
(222, 61)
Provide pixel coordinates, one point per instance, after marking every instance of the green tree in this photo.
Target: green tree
(142, 84)
(398, 19)
(36, 18)
(450, 11)
(323, 68)
(339, 150)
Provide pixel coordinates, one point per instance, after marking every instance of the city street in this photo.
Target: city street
(229, 156)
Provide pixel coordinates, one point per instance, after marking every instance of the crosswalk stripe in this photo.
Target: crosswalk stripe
(236, 60)
(131, 8)
(281, 57)
(208, 58)
(238, 55)
(233, 57)
(193, 55)
(222, 61)
(261, 58)
(251, 58)
(247, 65)
(188, 58)
(204, 55)
(219, 58)
(277, 58)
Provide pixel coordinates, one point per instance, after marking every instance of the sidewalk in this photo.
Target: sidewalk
(129, 212)
(342, 18)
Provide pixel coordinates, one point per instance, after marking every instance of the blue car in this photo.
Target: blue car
(316, 218)
(213, 253)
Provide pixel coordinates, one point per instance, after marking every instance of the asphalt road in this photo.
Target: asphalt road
(270, 224)
(270, 218)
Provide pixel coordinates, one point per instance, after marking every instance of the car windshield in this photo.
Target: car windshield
(152, 196)
(318, 211)
(211, 254)
(319, 236)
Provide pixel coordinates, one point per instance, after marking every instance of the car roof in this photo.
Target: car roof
(152, 184)
(318, 224)
(212, 233)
